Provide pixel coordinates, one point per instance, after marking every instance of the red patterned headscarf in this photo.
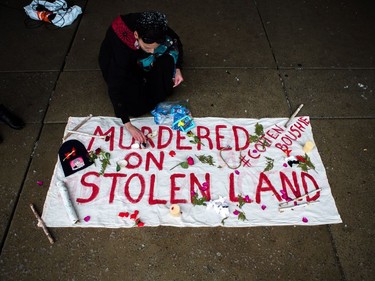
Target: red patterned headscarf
(124, 33)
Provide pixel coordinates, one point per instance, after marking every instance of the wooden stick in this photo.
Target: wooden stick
(42, 224)
(69, 154)
(307, 194)
(86, 134)
(293, 115)
(297, 206)
(298, 198)
(78, 126)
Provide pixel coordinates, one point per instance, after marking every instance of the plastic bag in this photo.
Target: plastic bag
(57, 12)
(183, 123)
(174, 114)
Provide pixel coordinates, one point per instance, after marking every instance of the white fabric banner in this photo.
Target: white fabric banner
(229, 172)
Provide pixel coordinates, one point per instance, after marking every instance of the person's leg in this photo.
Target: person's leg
(159, 80)
(129, 99)
(157, 85)
(10, 119)
(137, 97)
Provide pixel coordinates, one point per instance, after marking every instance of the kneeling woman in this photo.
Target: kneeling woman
(140, 59)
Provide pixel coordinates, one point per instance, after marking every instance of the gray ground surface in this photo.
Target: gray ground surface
(242, 59)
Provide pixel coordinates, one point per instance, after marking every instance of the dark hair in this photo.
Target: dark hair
(152, 27)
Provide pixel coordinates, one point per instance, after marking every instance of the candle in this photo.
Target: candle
(136, 145)
(122, 163)
(309, 145)
(72, 214)
(152, 135)
(293, 115)
(175, 210)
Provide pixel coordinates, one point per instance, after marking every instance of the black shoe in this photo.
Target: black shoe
(10, 119)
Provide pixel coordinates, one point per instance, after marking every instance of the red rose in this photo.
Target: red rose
(190, 160)
(300, 158)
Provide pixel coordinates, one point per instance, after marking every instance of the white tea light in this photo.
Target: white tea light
(309, 145)
(122, 163)
(175, 210)
(136, 145)
(152, 135)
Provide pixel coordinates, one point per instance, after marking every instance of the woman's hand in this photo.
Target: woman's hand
(137, 135)
(178, 78)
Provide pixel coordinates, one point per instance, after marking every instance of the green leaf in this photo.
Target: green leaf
(259, 129)
(206, 159)
(253, 138)
(118, 168)
(184, 165)
(308, 162)
(269, 165)
(242, 216)
(195, 139)
(198, 201)
(303, 167)
(306, 166)
(241, 201)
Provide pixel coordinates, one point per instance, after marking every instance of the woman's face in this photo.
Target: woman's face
(148, 48)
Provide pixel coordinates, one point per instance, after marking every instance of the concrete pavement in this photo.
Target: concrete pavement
(242, 59)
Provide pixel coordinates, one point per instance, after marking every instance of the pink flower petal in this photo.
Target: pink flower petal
(87, 218)
(247, 199)
(123, 214)
(133, 216)
(236, 212)
(237, 172)
(40, 183)
(285, 196)
(204, 186)
(263, 207)
(305, 220)
(285, 165)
